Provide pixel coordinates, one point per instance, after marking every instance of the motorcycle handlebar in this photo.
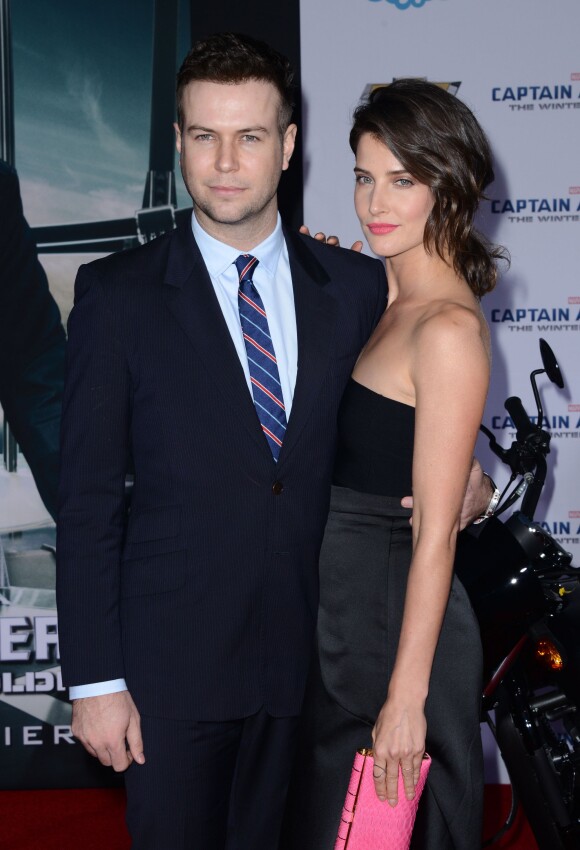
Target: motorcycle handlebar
(520, 418)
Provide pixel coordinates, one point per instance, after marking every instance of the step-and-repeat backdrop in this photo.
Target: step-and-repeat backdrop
(82, 109)
(517, 66)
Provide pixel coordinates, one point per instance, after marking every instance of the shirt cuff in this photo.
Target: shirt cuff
(97, 689)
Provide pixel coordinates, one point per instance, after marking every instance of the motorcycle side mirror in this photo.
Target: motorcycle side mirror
(551, 369)
(551, 364)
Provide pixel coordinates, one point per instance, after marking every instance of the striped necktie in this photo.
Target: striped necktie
(264, 376)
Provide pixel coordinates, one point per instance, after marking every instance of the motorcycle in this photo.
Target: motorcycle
(524, 591)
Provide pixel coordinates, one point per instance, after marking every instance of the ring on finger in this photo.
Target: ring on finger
(380, 768)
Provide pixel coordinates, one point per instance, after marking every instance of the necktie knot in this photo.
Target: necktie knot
(245, 264)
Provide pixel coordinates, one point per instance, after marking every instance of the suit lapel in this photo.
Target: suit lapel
(316, 313)
(190, 296)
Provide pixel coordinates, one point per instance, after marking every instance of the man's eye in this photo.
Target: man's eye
(203, 137)
(249, 138)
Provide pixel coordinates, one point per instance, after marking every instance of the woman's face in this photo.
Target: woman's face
(392, 206)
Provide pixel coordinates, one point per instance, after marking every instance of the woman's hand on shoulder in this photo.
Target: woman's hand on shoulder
(398, 741)
(331, 240)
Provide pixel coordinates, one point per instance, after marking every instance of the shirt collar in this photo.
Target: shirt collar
(218, 256)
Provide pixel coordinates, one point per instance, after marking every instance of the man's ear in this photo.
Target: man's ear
(177, 137)
(288, 143)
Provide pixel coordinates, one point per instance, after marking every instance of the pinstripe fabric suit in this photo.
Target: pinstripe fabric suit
(203, 595)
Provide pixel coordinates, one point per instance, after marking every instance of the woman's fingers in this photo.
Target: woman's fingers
(392, 782)
(386, 778)
(409, 781)
(320, 236)
(417, 768)
(380, 778)
(330, 240)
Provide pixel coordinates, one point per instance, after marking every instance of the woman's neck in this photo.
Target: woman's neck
(418, 275)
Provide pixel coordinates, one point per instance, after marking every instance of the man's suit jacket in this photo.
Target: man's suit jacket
(31, 343)
(204, 595)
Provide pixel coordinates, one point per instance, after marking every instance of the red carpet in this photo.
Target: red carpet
(497, 806)
(63, 820)
(93, 820)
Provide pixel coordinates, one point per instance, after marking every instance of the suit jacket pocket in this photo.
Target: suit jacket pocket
(152, 532)
(153, 574)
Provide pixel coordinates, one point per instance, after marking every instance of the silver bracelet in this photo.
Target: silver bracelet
(493, 502)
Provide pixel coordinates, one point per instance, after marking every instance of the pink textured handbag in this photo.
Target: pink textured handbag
(371, 824)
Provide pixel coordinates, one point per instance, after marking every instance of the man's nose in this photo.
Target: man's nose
(226, 159)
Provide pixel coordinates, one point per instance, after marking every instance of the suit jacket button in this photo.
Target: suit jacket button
(277, 488)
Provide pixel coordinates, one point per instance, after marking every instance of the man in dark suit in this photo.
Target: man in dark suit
(31, 343)
(186, 623)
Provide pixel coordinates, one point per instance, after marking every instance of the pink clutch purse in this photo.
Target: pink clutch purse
(370, 824)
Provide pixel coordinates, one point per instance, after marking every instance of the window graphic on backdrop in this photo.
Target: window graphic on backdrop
(93, 145)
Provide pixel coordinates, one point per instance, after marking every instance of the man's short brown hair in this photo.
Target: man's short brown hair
(231, 58)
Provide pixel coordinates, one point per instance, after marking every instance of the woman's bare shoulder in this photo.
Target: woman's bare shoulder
(449, 322)
(450, 336)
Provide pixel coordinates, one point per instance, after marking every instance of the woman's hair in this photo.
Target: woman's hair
(437, 139)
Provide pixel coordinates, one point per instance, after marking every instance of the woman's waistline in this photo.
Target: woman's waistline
(345, 500)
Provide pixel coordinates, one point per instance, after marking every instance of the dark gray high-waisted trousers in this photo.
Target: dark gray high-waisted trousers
(364, 566)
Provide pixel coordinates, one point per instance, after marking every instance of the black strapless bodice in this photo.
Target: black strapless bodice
(375, 443)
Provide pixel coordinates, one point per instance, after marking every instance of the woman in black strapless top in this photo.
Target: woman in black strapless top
(398, 655)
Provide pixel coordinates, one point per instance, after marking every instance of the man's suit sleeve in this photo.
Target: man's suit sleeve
(92, 512)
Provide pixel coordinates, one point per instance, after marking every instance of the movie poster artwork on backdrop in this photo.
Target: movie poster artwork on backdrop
(82, 97)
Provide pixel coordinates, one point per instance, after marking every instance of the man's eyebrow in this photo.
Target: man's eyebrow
(242, 130)
(255, 130)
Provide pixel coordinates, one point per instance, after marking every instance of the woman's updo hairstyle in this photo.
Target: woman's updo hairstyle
(437, 139)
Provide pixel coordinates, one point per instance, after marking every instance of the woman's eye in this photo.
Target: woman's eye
(404, 181)
(363, 178)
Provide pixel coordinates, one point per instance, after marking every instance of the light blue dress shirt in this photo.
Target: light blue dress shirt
(273, 281)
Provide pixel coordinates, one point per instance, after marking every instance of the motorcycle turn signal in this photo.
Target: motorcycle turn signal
(548, 653)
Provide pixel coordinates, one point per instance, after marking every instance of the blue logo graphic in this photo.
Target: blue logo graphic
(404, 4)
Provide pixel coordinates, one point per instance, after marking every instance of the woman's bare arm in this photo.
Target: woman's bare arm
(450, 373)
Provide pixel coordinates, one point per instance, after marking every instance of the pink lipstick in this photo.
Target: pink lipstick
(381, 229)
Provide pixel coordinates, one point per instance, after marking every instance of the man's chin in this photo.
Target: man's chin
(227, 216)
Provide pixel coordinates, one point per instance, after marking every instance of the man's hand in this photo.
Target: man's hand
(331, 240)
(109, 728)
(477, 496)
